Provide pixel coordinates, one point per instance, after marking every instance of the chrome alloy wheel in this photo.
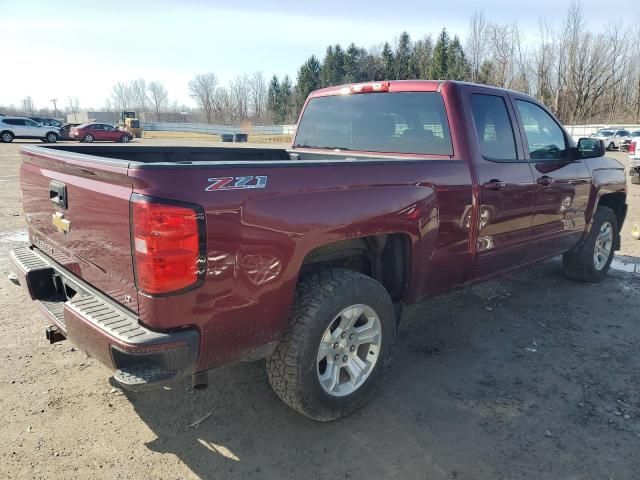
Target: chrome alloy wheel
(603, 246)
(349, 350)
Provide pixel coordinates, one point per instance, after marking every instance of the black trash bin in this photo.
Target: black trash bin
(226, 137)
(241, 137)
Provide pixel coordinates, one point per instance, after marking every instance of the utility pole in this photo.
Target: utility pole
(24, 102)
(55, 106)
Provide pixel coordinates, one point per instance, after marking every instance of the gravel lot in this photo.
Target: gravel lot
(530, 376)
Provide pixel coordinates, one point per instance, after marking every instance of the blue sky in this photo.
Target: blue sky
(61, 48)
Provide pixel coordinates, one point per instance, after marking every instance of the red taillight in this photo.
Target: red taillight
(370, 87)
(632, 148)
(167, 246)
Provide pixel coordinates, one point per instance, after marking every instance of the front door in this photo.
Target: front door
(562, 185)
(505, 180)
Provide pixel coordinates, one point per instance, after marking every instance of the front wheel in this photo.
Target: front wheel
(611, 146)
(333, 355)
(590, 262)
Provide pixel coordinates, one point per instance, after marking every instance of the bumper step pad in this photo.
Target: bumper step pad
(144, 376)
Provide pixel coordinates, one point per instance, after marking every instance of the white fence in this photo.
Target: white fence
(218, 129)
(576, 131)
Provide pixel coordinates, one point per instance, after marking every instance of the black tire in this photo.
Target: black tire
(579, 264)
(611, 146)
(293, 367)
(88, 138)
(6, 137)
(51, 137)
(125, 139)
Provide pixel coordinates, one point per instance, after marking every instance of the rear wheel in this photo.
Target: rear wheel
(333, 355)
(6, 137)
(590, 262)
(88, 138)
(51, 137)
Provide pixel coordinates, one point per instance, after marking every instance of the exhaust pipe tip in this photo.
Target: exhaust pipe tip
(200, 381)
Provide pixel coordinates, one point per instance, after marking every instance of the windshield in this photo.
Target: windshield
(604, 133)
(409, 122)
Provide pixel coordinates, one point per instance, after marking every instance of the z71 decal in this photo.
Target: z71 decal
(236, 183)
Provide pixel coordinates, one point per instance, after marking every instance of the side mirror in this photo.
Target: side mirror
(590, 148)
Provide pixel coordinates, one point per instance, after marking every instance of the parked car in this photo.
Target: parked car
(90, 132)
(20, 127)
(188, 258)
(65, 131)
(612, 138)
(634, 157)
(52, 122)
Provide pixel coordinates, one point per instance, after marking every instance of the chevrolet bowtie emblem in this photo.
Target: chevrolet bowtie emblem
(61, 223)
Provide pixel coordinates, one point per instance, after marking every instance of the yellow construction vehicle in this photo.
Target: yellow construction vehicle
(129, 122)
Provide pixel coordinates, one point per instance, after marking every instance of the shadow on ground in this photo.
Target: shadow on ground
(530, 376)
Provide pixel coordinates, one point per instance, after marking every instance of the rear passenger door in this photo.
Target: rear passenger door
(562, 185)
(98, 131)
(505, 179)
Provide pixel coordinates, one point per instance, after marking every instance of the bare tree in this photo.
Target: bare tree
(139, 93)
(122, 96)
(477, 43)
(159, 98)
(258, 93)
(74, 107)
(202, 88)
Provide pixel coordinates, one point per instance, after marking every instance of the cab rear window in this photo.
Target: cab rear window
(399, 122)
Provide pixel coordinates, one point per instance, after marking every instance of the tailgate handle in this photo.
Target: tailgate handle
(58, 194)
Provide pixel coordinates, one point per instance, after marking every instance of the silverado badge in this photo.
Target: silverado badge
(61, 223)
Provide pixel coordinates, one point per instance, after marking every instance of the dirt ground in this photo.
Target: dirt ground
(530, 376)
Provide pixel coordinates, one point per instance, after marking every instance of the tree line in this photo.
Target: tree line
(583, 76)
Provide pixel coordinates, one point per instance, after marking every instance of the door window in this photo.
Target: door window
(109, 128)
(493, 126)
(30, 123)
(544, 136)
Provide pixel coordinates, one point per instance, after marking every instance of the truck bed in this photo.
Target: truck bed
(169, 154)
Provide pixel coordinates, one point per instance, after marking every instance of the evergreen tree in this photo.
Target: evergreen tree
(439, 68)
(421, 58)
(327, 68)
(387, 62)
(273, 97)
(285, 100)
(402, 58)
(308, 79)
(457, 64)
(332, 71)
(353, 64)
(339, 59)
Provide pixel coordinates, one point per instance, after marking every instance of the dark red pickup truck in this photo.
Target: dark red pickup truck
(165, 262)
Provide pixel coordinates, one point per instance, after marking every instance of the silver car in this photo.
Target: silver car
(612, 138)
(20, 127)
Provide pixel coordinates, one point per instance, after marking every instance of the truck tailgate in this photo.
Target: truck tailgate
(77, 212)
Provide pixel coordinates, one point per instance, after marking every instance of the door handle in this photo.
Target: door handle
(494, 185)
(545, 181)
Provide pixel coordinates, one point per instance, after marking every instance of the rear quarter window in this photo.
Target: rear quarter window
(399, 122)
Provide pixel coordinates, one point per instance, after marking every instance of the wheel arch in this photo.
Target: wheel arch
(384, 257)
